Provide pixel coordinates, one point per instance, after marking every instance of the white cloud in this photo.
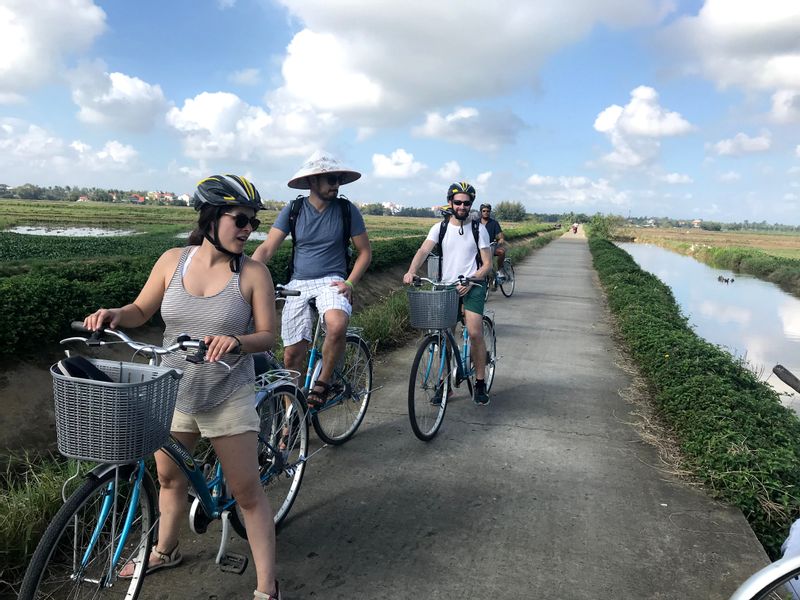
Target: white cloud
(489, 130)
(730, 176)
(797, 151)
(742, 43)
(399, 165)
(32, 153)
(790, 197)
(376, 65)
(37, 37)
(578, 191)
(635, 129)
(741, 143)
(786, 106)
(450, 170)
(250, 76)
(676, 178)
(225, 4)
(116, 99)
(483, 178)
(220, 125)
(113, 155)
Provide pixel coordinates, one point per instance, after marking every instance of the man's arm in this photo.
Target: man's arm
(419, 258)
(486, 256)
(266, 250)
(361, 242)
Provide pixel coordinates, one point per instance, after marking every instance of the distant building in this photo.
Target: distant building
(83, 199)
(392, 207)
(696, 223)
(185, 198)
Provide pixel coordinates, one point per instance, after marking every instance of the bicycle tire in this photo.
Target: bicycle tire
(52, 573)
(429, 377)
(490, 338)
(770, 583)
(336, 423)
(509, 283)
(282, 413)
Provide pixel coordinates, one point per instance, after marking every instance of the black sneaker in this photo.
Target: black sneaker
(481, 396)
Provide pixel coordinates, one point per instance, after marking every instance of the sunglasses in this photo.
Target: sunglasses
(333, 179)
(460, 202)
(486, 210)
(241, 220)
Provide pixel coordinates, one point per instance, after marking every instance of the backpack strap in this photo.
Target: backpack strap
(346, 207)
(294, 211)
(476, 233)
(442, 233)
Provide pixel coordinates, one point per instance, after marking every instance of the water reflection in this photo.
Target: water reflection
(70, 231)
(256, 235)
(752, 319)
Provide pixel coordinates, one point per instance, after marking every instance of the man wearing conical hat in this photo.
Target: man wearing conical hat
(322, 225)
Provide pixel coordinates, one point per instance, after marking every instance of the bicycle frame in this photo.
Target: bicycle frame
(461, 353)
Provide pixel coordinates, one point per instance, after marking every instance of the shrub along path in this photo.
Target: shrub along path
(548, 492)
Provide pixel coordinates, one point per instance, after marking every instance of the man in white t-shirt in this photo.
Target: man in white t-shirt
(465, 251)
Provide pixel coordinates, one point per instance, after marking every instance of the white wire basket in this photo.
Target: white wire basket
(433, 309)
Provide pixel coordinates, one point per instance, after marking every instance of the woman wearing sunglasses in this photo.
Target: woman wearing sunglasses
(211, 290)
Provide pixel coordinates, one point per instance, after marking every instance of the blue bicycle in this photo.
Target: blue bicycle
(436, 311)
(351, 382)
(109, 520)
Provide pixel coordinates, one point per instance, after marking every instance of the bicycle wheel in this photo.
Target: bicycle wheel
(74, 557)
(428, 387)
(777, 581)
(490, 340)
(508, 283)
(337, 421)
(282, 449)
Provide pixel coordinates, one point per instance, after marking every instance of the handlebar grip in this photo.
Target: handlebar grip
(787, 377)
(78, 326)
(282, 292)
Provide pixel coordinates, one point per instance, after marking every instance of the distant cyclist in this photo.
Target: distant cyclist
(495, 234)
(464, 245)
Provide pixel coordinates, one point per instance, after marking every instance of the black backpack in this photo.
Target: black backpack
(294, 211)
(476, 233)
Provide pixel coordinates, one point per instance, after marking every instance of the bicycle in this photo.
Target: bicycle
(109, 521)
(339, 418)
(504, 279)
(779, 580)
(436, 311)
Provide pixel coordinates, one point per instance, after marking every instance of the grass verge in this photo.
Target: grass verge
(734, 433)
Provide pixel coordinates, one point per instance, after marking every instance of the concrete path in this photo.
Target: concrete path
(548, 492)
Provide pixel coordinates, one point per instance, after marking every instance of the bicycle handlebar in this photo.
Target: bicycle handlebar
(461, 280)
(284, 292)
(184, 342)
(787, 377)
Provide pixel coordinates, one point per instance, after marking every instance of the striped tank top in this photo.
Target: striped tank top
(206, 385)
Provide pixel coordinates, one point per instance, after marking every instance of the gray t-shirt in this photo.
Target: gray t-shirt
(318, 248)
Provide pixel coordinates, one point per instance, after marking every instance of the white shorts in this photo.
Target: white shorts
(297, 320)
(237, 414)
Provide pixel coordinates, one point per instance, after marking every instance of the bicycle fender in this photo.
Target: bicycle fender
(100, 470)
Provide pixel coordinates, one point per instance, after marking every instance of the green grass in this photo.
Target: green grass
(733, 431)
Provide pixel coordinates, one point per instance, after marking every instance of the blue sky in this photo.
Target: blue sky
(640, 107)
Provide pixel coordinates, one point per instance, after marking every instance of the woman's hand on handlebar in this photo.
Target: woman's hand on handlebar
(102, 317)
(408, 278)
(218, 346)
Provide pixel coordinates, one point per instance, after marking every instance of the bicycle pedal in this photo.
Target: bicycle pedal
(233, 563)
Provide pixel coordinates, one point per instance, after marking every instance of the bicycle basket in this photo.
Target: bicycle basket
(116, 422)
(433, 309)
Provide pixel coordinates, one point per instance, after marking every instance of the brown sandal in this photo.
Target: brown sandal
(167, 560)
(317, 399)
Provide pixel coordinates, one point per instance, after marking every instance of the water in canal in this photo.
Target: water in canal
(749, 317)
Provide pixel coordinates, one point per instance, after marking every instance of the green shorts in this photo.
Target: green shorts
(475, 298)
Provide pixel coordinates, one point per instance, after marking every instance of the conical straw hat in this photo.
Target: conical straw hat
(321, 163)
